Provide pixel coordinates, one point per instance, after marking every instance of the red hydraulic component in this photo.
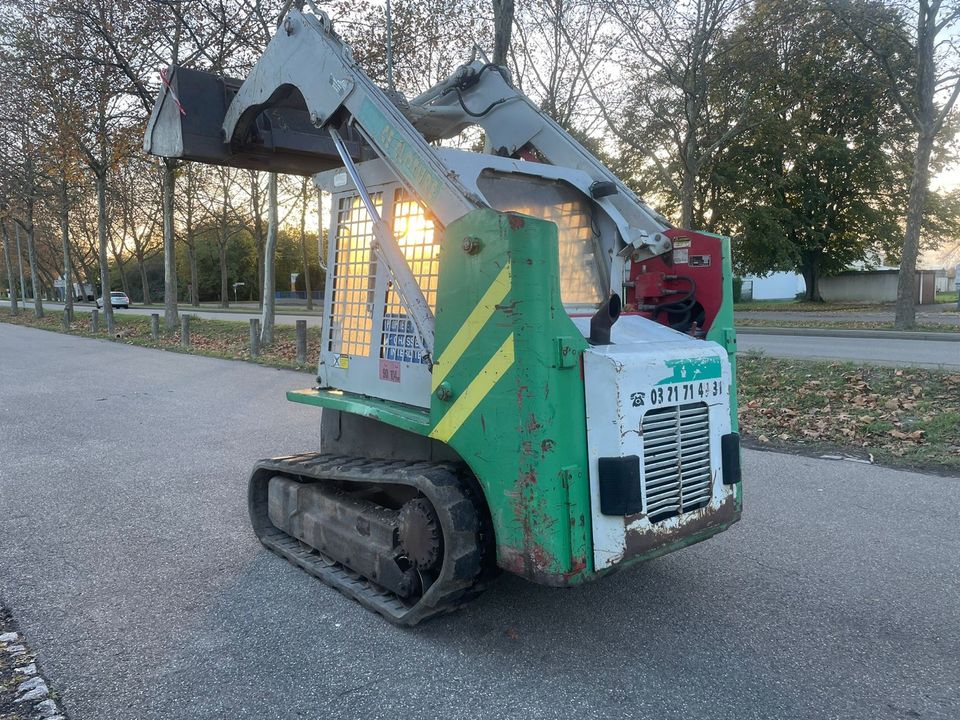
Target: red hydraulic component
(683, 288)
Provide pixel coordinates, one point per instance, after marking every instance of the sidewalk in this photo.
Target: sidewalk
(941, 314)
(850, 333)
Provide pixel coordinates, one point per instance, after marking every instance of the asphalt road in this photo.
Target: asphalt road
(239, 314)
(125, 555)
(917, 353)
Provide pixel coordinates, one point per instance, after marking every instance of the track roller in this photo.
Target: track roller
(406, 540)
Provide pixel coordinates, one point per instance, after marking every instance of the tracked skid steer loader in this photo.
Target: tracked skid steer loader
(523, 366)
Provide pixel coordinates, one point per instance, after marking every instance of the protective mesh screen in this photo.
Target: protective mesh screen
(421, 248)
(354, 278)
(564, 205)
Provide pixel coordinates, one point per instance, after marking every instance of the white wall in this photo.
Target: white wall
(777, 286)
(868, 287)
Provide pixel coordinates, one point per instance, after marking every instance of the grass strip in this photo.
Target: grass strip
(897, 416)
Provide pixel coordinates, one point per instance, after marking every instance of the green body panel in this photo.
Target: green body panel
(396, 414)
(526, 438)
(723, 332)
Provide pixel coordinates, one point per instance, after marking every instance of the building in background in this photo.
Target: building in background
(875, 286)
(775, 286)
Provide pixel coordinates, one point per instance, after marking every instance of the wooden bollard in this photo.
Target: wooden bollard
(301, 342)
(155, 326)
(254, 337)
(184, 331)
(95, 320)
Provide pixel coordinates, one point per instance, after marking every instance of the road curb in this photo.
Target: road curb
(851, 333)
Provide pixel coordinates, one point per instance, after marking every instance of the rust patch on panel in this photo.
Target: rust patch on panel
(516, 222)
(641, 542)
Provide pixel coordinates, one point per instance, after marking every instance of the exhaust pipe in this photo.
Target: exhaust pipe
(603, 320)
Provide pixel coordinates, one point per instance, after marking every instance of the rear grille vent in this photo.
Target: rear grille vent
(676, 460)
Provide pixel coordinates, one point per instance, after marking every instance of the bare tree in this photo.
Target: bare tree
(927, 93)
(668, 52)
(136, 196)
(11, 283)
(556, 48)
(216, 201)
(29, 195)
(304, 196)
(189, 231)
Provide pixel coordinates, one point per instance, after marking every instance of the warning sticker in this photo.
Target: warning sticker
(681, 242)
(680, 255)
(699, 261)
(343, 362)
(390, 370)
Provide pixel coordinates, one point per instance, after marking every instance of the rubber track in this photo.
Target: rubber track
(458, 581)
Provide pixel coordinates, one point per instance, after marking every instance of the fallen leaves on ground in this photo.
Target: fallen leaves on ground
(907, 413)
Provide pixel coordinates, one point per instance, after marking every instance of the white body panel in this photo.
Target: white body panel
(648, 366)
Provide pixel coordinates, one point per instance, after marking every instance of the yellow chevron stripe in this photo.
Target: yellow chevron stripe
(468, 331)
(476, 391)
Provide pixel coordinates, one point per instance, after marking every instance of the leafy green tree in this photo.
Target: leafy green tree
(810, 187)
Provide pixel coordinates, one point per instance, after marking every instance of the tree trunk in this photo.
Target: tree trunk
(269, 258)
(191, 241)
(321, 255)
(811, 276)
(35, 284)
(258, 234)
(502, 30)
(906, 316)
(224, 287)
(303, 246)
(687, 195)
(11, 284)
(194, 290)
(65, 239)
(102, 249)
(171, 317)
(23, 285)
(145, 286)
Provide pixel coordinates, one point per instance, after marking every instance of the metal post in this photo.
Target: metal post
(155, 326)
(184, 331)
(254, 337)
(301, 342)
(95, 320)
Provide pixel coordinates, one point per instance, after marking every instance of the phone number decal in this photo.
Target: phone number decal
(678, 393)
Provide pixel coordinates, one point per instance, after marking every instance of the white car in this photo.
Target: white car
(117, 299)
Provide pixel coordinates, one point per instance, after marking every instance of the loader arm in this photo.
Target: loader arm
(481, 94)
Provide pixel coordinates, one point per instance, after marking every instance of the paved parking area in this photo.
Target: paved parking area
(126, 557)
